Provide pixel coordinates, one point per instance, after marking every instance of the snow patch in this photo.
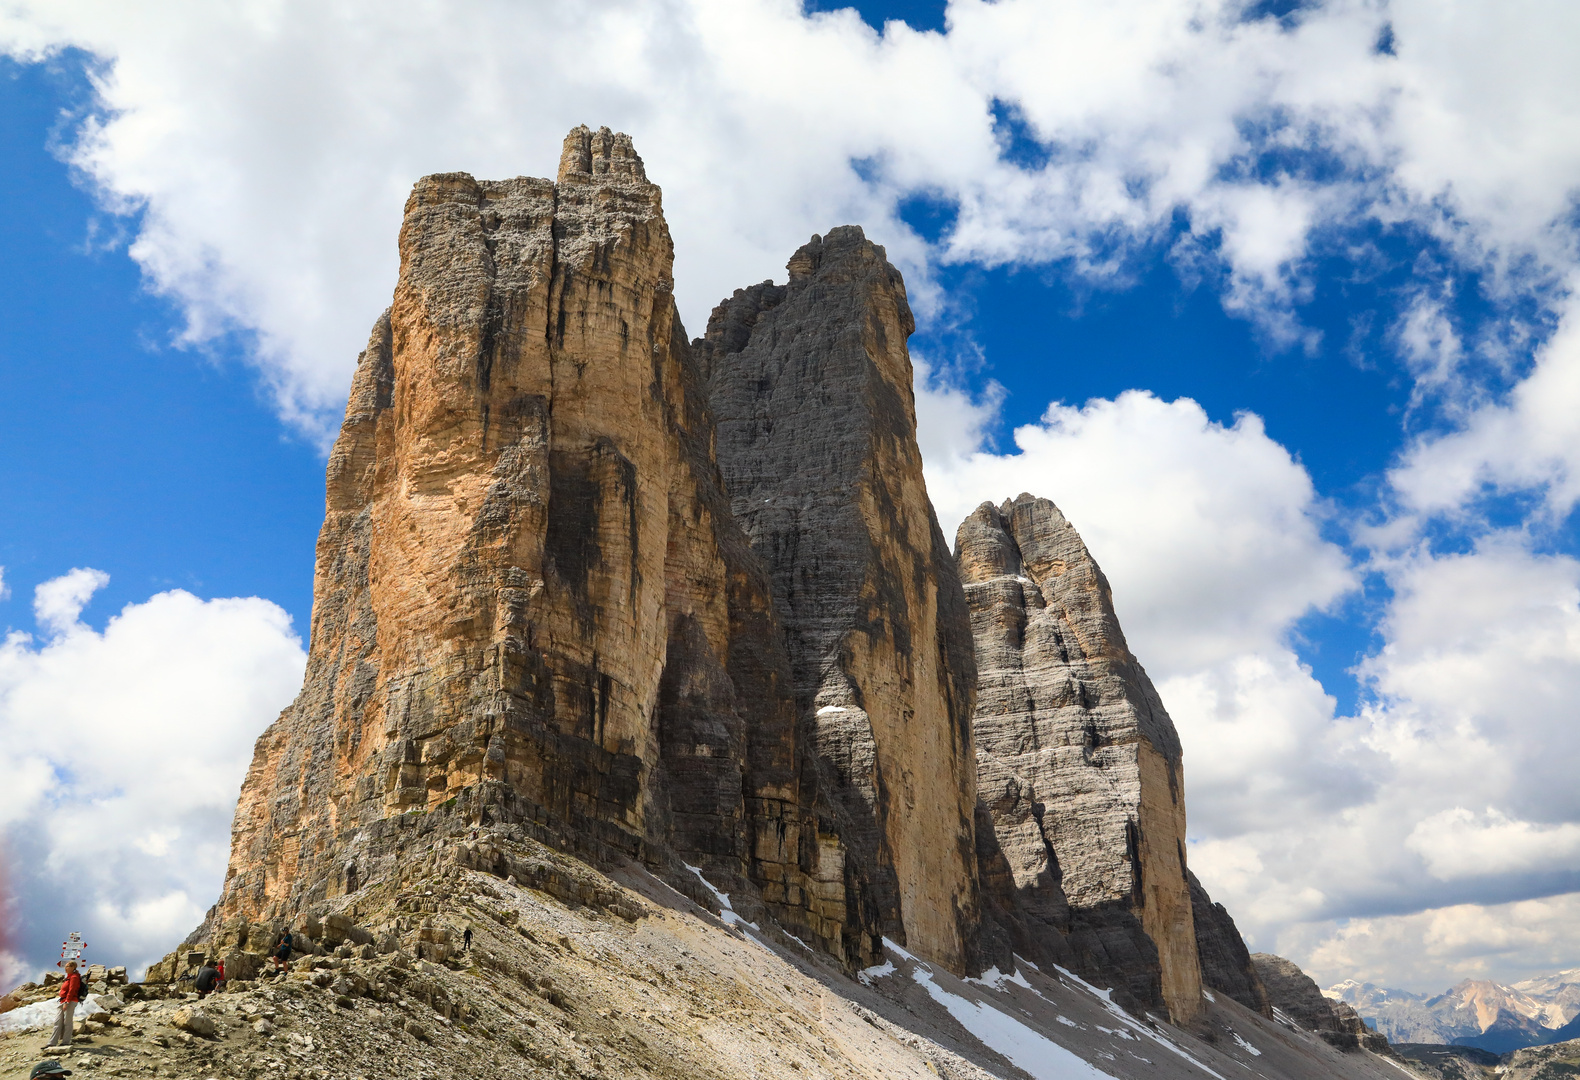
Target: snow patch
(877, 971)
(1031, 1052)
(41, 1014)
(1251, 1049)
(726, 912)
(888, 943)
(1209, 995)
(831, 709)
(1106, 997)
(994, 979)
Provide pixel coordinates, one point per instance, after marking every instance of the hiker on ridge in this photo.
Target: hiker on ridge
(72, 993)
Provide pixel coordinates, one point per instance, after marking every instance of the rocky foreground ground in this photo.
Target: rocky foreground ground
(575, 973)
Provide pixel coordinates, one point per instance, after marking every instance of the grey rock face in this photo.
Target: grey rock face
(1078, 764)
(1225, 961)
(810, 387)
(1294, 993)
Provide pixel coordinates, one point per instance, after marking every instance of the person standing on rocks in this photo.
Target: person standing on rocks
(72, 993)
(466, 939)
(282, 949)
(208, 979)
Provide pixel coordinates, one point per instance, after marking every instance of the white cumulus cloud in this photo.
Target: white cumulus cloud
(123, 751)
(58, 602)
(1302, 819)
(269, 148)
(1527, 441)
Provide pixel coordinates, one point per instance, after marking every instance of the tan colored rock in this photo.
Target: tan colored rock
(195, 1020)
(531, 601)
(1078, 763)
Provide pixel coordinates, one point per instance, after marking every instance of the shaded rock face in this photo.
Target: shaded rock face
(1225, 961)
(810, 386)
(1294, 993)
(530, 594)
(1078, 764)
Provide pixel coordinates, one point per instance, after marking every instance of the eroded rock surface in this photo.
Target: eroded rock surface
(1294, 993)
(810, 386)
(1078, 763)
(530, 591)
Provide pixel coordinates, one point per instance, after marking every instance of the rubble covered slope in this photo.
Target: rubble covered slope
(577, 973)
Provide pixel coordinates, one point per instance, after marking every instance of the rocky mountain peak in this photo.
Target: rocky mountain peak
(628, 647)
(809, 385)
(1077, 760)
(599, 155)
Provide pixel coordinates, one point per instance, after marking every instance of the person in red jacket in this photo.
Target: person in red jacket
(72, 992)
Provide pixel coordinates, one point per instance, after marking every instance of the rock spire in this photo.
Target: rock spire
(1078, 764)
(810, 387)
(687, 604)
(531, 600)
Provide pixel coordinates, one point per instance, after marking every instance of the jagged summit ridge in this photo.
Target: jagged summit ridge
(599, 155)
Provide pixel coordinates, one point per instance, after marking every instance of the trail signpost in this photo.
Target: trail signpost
(72, 949)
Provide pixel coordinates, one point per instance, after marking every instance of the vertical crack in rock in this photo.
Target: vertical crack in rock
(1078, 764)
(810, 386)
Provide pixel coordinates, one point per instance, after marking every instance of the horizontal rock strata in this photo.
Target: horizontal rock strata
(810, 387)
(1078, 764)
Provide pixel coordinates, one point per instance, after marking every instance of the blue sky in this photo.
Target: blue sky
(1282, 321)
(165, 467)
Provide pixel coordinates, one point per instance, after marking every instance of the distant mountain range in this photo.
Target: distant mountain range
(1477, 1012)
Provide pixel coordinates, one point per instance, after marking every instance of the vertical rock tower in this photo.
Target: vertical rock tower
(1078, 763)
(688, 603)
(533, 604)
(810, 386)
(530, 596)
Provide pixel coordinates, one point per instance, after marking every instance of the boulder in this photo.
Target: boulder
(191, 1019)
